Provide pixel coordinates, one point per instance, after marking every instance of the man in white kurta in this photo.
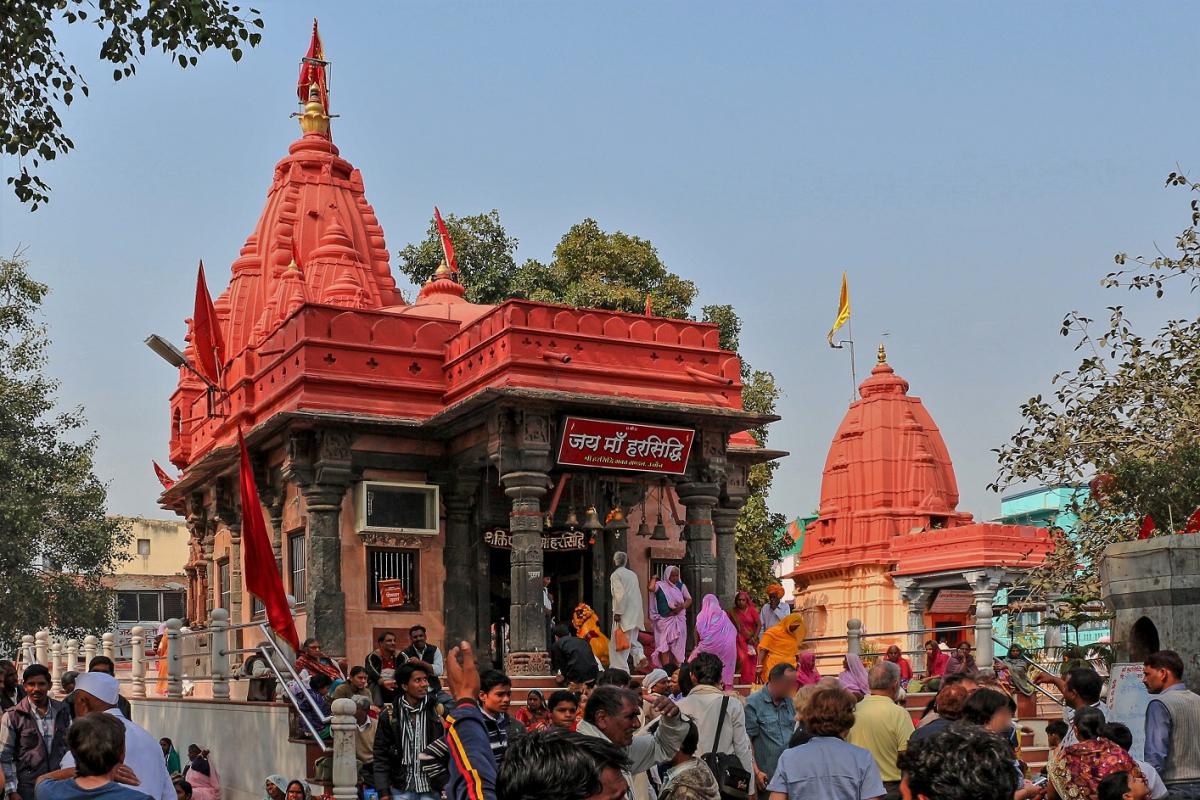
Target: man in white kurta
(627, 613)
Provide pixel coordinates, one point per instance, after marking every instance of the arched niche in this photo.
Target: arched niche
(1143, 640)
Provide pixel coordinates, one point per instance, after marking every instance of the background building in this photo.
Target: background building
(151, 586)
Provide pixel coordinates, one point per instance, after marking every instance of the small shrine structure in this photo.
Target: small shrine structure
(889, 545)
(431, 461)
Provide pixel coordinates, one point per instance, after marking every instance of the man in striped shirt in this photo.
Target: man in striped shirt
(406, 727)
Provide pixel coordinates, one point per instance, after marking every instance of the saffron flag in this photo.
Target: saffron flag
(166, 480)
(843, 315)
(312, 70)
(206, 332)
(447, 245)
(262, 576)
(1147, 527)
(1193, 523)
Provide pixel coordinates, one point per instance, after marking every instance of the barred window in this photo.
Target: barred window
(223, 583)
(174, 605)
(384, 563)
(296, 565)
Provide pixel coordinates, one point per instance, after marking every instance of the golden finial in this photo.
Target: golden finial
(443, 271)
(315, 119)
(882, 354)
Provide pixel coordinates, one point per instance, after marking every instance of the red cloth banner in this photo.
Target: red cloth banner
(624, 445)
(447, 244)
(166, 480)
(312, 70)
(262, 575)
(206, 332)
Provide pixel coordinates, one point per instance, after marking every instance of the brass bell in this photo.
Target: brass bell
(660, 530)
(593, 520)
(643, 529)
(572, 521)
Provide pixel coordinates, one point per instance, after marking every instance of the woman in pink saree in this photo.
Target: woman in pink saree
(202, 775)
(716, 634)
(806, 669)
(671, 600)
(745, 619)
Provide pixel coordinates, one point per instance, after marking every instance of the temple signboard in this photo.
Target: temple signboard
(624, 445)
(551, 542)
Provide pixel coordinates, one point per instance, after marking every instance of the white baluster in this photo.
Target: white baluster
(56, 670)
(174, 658)
(41, 647)
(138, 656)
(345, 765)
(72, 656)
(854, 637)
(109, 645)
(219, 653)
(89, 651)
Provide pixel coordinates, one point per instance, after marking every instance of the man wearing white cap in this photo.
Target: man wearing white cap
(97, 693)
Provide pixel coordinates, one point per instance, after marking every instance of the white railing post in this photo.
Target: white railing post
(219, 653)
(89, 651)
(72, 655)
(174, 659)
(41, 647)
(109, 645)
(345, 765)
(854, 637)
(28, 652)
(138, 661)
(56, 670)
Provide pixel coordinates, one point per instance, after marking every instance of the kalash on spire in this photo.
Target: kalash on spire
(312, 87)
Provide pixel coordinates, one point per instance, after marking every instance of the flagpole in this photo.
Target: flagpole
(853, 369)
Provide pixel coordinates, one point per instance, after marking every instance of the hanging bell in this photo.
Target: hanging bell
(592, 523)
(572, 521)
(660, 530)
(643, 529)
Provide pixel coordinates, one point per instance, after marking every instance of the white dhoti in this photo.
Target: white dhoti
(627, 608)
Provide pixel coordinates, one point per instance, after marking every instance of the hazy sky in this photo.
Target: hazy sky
(974, 167)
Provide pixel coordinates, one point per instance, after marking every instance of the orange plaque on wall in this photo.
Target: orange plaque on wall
(391, 594)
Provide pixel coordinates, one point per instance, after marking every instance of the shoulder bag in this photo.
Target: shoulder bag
(732, 778)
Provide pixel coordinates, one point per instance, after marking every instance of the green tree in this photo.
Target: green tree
(56, 541)
(40, 79)
(594, 268)
(1127, 415)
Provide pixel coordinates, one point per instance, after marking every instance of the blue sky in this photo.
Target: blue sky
(973, 167)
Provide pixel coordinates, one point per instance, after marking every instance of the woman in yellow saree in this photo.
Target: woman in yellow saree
(780, 644)
(587, 627)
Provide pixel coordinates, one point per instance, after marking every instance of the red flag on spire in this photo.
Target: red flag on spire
(1193, 523)
(262, 576)
(447, 245)
(1147, 527)
(312, 70)
(206, 332)
(166, 480)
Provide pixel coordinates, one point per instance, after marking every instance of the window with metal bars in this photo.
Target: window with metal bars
(298, 583)
(387, 563)
(223, 581)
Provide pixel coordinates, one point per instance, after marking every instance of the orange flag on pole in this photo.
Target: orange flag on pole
(1147, 527)
(447, 245)
(1193, 523)
(262, 576)
(206, 332)
(843, 315)
(166, 480)
(312, 70)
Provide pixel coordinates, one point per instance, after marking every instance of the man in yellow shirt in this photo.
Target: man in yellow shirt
(881, 726)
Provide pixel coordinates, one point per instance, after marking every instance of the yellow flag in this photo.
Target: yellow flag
(843, 315)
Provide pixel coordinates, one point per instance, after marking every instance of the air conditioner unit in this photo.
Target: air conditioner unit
(391, 507)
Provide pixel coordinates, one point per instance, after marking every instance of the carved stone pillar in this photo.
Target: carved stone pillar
(273, 493)
(699, 563)
(228, 510)
(725, 522)
(320, 464)
(917, 598)
(458, 557)
(984, 583)
(526, 615)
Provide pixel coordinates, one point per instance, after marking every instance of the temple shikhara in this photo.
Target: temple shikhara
(889, 546)
(428, 460)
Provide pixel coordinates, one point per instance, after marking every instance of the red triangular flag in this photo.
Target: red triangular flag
(1147, 527)
(166, 480)
(206, 332)
(312, 70)
(258, 559)
(1193, 523)
(447, 245)
(649, 306)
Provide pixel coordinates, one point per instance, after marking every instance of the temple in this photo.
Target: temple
(889, 545)
(429, 462)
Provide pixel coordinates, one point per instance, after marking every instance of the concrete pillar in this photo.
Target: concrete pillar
(28, 651)
(526, 618)
(725, 520)
(72, 656)
(174, 658)
(41, 647)
(138, 657)
(918, 602)
(699, 563)
(345, 765)
(90, 642)
(983, 584)
(218, 627)
(235, 572)
(56, 669)
(854, 636)
(325, 603)
(109, 645)
(458, 556)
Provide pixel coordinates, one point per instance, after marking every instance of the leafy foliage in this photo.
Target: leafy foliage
(596, 269)
(56, 542)
(40, 79)
(1128, 414)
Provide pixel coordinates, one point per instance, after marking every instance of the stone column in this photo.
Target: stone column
(854, 636)
(699, 564)
(458, 556)
(917, 598)
(228, 511)
(526, 618)
(983, 584)
(345, 766)
(725, 520)
(320, 465)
